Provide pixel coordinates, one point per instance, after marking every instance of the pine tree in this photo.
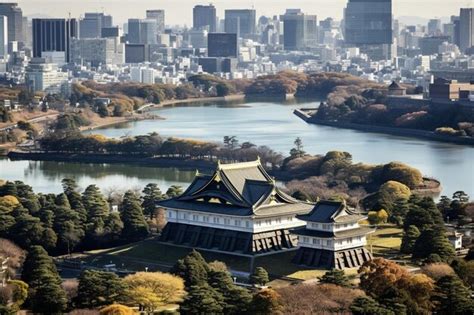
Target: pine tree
(365, 305)
(452, 296)
(202, 299)
(95, 203)
(99, 288)
(433, 241)
(46, 293)
(193, 269)
(335, 276)
(151, 196)
(27, 197)
(237, 300)
(134, 224)
(260, 276)
(410, 236)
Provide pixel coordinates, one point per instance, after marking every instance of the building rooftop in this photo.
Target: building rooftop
(331, 212)
(242, 189)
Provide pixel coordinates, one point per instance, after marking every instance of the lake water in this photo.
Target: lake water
(270, 124)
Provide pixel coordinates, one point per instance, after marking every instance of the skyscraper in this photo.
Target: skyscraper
(142, 31)
(15, 20)
(466, 29)
(222, 45)
(3, 36)
(205, 16)
(159, 17)
(368, 22)
(92, 23)
(240, 22)
(53, 35)
(300, 30)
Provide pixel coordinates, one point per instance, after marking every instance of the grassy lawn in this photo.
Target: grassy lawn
(386, 241)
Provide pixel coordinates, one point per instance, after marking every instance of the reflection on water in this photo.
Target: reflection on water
(46, 176)
(274, 125)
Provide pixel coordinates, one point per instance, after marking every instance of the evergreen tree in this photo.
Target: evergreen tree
(433, 241)
(69, 185)
(174, 191)
(113, 226)
(95, 203)
(46, 293)
(202, 299)
(151, 196)
(9, 189)
(452, 296)
(193, 269)
(335, 276)
(27, 197)
(259, 276)
(98, 288)
(134, 224)
(410, 236)
(237, 300)
(62, 201)
(365, 305)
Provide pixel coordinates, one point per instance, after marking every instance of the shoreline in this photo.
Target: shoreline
(402, 132)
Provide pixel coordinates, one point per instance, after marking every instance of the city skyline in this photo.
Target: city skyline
(122, 10)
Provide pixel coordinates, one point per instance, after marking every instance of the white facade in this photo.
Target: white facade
(234, 223)
(3, 36)
(41, 76)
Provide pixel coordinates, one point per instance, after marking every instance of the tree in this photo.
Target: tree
(202, 299)
(134, 224)
(433, 241)
(46, 293)
(193, 269)
(452, 296)
(231, 142)
(236, 300)
(378, 217)
(335, 276)
(365, 305)
(266, 301)
(297, 151)
(95, 203)
(464, 269)
(99, 288)
(174, 191)
(150, 290)
(259, 276)
(117, 309)
(151, 196)
(409, 239)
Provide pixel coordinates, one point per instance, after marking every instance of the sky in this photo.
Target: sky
(180, 11)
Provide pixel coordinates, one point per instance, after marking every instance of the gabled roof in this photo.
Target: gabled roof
(331, 212)
(245, 186)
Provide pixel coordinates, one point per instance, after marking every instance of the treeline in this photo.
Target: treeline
(307, 84)
(127, 97)
(153, 145)
(65, 222)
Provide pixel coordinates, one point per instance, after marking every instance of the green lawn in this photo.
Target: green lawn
(386, 241)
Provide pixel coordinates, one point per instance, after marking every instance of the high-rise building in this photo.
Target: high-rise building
(97, 51)
(299, 30)
(159, 17)
(368, 22)
(466, 29)
(14, 15)
(240, 22)
(204, 16)
(3, 36)
(222, 45)
(43, 76)
(142, 31)
(92, 23)
(434, 27)
(53, 35)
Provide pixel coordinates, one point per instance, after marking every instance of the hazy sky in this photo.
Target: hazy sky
(180, 11)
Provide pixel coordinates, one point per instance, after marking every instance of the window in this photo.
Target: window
(315, 225)
(185, 216)
(290, 219)
(195, 217)
(325, 227)
(258, 223)
(305, 239)
(316, 241)
(216, 220)
(170, 214)
(205, 219)
(268, 222)
(349, 240)
(345, 225)
(278, 220)
(237, 222)
(247, 224)
(328, 242)
(227, 221)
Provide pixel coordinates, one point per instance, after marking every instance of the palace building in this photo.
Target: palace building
(238, 209)
(332, 237)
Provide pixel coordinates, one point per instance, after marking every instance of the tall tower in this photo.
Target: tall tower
(14, 15)
(466, 29)
(205, 16)
(53, 35)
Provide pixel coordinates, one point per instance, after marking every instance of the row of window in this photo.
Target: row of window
(328, 226)
(317, 241)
